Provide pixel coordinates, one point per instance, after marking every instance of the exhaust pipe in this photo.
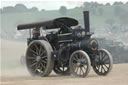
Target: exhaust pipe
(86, 21)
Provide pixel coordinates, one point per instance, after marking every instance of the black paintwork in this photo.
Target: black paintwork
(86, 21)
(50, 24)
(65, 41)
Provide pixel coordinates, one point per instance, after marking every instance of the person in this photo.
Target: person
(36, 33)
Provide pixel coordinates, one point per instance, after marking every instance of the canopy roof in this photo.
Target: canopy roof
(51, 24)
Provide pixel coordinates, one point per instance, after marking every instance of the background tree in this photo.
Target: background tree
(33, 9)
(100, 11)
(9, 9)
(93, 7)
(63, 10)
(86, 6)
(21, 8)
(42, 10)
(124, 17)
(110, 22)
(117, 3)
(118, 11)
(108, 4)
(90, 7)
(0, 10)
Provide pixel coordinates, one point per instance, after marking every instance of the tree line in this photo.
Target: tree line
(90, 6)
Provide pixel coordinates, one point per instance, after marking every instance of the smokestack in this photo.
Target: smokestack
(86, 21)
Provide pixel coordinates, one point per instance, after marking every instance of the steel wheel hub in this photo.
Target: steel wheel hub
(79, 64)
(38, 58)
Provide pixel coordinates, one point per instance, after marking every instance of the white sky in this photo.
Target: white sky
(52, 4)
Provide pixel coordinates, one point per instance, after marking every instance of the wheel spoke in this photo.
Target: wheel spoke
(43, 61)
(63, 68)
(34, 55)
(33, 51)
(106, 66)
(104, 56)
(43, 57)
(43, 52)
(43, 66)
(103, 68)
(33, 61)
(83, 57)
(82, 70)
(96, 66)
(84, 67)
(84, 62)
(107, 59)
(99, 68)
(76, 69)
(33, 64)
(37, 66)
(37, 49)
(46, 59)
(76, 57)
(74, 66)
(40, 50)
(99, 56)
(58, 69)
(80, 56)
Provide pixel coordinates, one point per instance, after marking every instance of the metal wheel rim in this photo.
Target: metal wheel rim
(80, 64)
(36, 59)
(103, 62)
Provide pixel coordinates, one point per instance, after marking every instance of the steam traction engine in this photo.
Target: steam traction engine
(66, 50)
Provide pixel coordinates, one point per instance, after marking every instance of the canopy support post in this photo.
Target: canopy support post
(30, 33)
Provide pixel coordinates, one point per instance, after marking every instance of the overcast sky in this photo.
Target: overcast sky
(52, 4)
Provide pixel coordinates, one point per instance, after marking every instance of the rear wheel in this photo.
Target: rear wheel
(80, 63)
(38, 58)
(103, 62)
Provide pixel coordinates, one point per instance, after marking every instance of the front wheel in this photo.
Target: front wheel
(103, 62)
(79, 63)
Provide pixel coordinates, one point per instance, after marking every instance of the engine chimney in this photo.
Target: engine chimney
(86, 21)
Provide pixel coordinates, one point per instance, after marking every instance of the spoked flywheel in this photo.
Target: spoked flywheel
(103, 62)
(38, 58)
(61, 70)
(80, 63)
